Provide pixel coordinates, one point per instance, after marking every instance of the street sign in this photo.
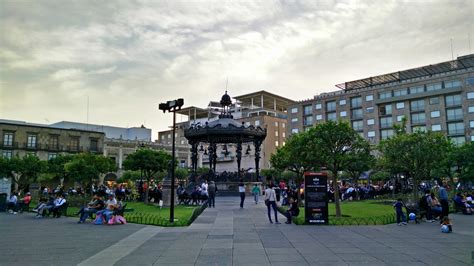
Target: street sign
(316, 198)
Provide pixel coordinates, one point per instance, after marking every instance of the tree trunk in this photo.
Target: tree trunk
(146, 190)
(415, 190)
(16, 180)
(336, 193)
(298, 194)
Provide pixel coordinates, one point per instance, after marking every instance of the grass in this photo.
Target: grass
(357, 213)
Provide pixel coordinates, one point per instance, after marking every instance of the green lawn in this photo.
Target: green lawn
(357, 213)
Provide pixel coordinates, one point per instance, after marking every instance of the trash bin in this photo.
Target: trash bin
(3, 202)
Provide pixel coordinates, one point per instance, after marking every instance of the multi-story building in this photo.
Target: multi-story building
(260, 108)
(21, 138)
(437, 97)
(126, 133)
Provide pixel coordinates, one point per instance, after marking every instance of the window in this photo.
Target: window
(358, 125)
(370, 109)
(182, 142)
(370, 122)
(283, 143)
(294, 130)
(386, 133)
(456, 128)
(418, 118)
(94, 145)
(454, 114)
(343, 114)
(418, 105)
(400, 118)
(434, 100)
(284, 135)
(162, 136)
(434, 87)
(400, 105)
(308, 120)
(169, 136)
(74, 143)
(470, 81)
(386, 122)
(357, 113)
(371, 134)
(417, 89)
(471, 124)
(318, 106)
(294, 120)
(331, 106)
(385, 95)
(452, 84)
(283, 125)
(385, 109)
(7, 154)
(400, 92)
(356, 102)
(369, 98)
(470, 109)
(257, 123)
(276, 123)
(8, 139)
(331, 116)
(294, 110)
(31, 141)
(276, 143)
(342, 102)
(436, 127)
(458, 141)
(52, 155)
(470, 95)
(435, 114)
(276, 133)
(453, 100)
(307, 110)
(319, 117)
(418, 129)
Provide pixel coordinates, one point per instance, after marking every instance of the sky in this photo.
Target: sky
(113, 62)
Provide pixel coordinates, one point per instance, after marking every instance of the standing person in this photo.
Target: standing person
(443, 200)
(211, 189)
(256, 192)
(242, 192)
(399, 210)
(270, 201)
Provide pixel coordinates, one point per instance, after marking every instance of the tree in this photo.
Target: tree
(86, 167)
(294, 156)
(26, 170)
(6, 169)
(463, 158)
(150, 162)
(130, 175)
(337, 147)
(361, 162)
(416, 155)
(181, 173)
(56, 168)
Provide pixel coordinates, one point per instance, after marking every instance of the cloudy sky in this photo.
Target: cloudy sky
(128, 56)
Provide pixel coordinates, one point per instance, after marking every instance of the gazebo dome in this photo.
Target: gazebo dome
(225, 100)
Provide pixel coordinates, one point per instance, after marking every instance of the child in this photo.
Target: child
(398, 208)
(447, 222)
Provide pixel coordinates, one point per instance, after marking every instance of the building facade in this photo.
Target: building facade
(126, 133)
(21, 138)
(259, 108)
(437, 97)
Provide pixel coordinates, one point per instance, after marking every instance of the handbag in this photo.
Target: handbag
(267, 202)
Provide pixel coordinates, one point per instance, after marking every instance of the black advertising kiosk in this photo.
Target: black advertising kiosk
(316, 198)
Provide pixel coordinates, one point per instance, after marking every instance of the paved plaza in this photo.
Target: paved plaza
(228, 235)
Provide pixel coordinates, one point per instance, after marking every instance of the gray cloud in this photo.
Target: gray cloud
(128, 56)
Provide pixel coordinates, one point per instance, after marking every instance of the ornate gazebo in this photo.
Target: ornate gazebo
(225, 130)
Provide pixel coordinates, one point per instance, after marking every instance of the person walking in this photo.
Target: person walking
(242, 192)
(270, 201)
(443, 200)
(212, 194)
(256, 192)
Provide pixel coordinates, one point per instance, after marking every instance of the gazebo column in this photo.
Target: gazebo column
(257, 144)
(211, 155)
(214, 157)
(194, 155)
(239, 157)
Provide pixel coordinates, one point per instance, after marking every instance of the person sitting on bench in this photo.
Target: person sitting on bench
(12, 203)
(58, 204)
(292, 211)
(24, 203)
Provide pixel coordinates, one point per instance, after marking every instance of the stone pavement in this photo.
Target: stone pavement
(228, 235)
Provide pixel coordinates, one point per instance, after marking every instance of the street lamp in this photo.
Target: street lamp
(172, 107)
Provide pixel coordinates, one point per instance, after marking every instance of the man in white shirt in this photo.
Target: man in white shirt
(242, 192)
(270, 201)
(12, 201)
(58, 204)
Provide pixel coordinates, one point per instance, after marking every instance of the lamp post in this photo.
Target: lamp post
(172, 107)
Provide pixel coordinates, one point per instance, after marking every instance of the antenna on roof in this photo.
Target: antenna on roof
(452, 54)
(227, 82)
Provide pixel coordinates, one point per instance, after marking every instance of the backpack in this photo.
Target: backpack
(423, 203)
(99, 219)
